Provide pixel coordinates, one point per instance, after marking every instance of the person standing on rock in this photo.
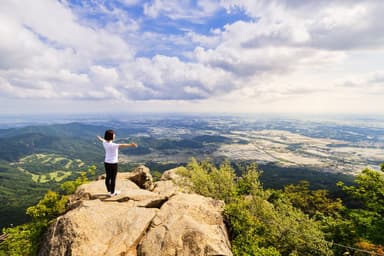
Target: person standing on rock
(111, 159)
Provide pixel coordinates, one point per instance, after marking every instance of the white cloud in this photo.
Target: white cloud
(364, 84)
(40, 89)
(48, 25)
(46, 53)
(103, 76)
(17, 45)
(281, 52)
(130, 2)
(181, 9)
(37, 83)
(324, 24)
(165, 78)
(210, 41)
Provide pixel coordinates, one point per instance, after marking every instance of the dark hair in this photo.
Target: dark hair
(109, 135)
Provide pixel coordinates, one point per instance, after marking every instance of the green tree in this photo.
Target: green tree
(247, 228)
(313, 202)
(369, 218)
(51, 206)
(257, 227)
(25, 239)
(210, 181)
(256, 223)
(69, 187)
(249, 182)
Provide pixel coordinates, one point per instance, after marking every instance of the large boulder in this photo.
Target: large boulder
(170, 183)
(172, 174)
(98, 228)
(138, 222)
(141, 176)
(98, 190)
(187, 225)
(129, 191)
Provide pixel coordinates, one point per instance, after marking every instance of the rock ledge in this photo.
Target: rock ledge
(147, 218)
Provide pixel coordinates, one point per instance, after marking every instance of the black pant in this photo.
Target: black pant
(110, 180)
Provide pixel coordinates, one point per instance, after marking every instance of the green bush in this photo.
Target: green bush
(207, 180)
(25, 239)
(368, 219)
(51, 206)
(255, 223)
(69, 187)
(256, 226)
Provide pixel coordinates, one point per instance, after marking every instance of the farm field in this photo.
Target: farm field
(288, 150)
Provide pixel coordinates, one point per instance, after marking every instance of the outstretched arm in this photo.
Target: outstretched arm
(133, 145)
(99, 138)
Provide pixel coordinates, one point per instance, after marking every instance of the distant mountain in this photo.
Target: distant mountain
(20, 184)
(17, 192)
(72, 140)
(161, 142)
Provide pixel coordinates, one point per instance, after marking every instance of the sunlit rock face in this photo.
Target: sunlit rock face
(159, 220)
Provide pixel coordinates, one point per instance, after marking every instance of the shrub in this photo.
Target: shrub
(256, 226)
(25, 239)
(207, 180)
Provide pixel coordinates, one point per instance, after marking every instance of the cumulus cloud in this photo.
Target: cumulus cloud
(335, 25)
(103, 76)
(181, 9)
(55, 25)
(188, 50)
(167, 78)
(130, 2)
(49, 54)
(372, 83)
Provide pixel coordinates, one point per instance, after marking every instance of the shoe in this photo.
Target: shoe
(117, 192)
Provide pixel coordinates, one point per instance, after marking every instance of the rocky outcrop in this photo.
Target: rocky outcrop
(169, 183)
(141, 176)
(187, 225)
(163, 221)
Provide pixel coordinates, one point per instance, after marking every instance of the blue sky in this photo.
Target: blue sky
(310, 56)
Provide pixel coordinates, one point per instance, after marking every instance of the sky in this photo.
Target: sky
(263, 56)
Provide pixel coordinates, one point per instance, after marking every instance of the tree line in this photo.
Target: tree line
(294, 220)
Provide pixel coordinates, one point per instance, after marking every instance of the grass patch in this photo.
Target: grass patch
(58, 159)
(57, 176)
(68, 165)
(44, 168)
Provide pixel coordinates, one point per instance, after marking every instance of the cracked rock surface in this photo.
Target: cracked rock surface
(164, 221)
